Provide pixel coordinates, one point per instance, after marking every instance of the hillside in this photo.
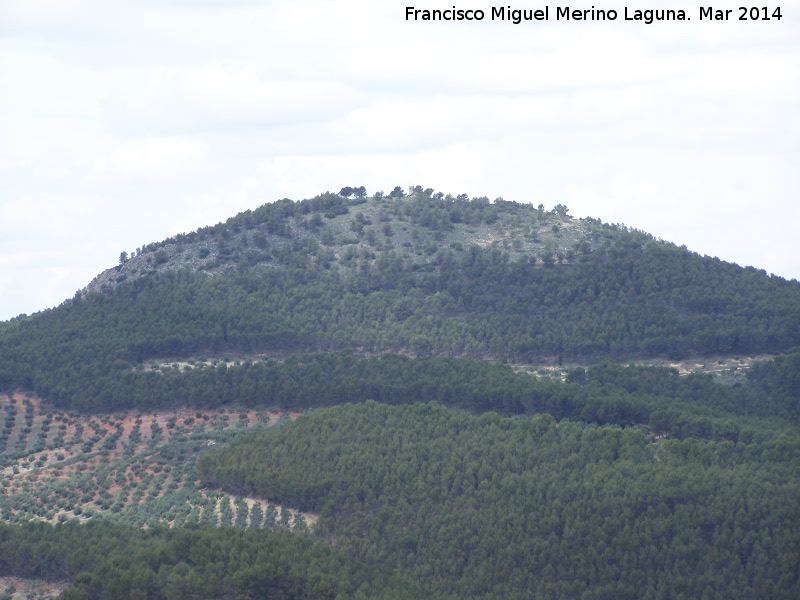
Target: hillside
(134, 468)
(406, 397)
(422, 275)
(481, 507)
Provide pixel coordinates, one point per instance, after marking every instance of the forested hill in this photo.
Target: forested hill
(483, 507)
(436, 469)
(422, 274)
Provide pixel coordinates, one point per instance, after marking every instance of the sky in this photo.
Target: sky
(126, 122)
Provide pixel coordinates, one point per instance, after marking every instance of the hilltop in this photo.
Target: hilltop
(333, 230)
(423, 275)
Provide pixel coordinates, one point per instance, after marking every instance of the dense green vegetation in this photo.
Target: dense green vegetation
(105, 560)
(613, 293)
(426, 454)
(778, 385)
(485, 507)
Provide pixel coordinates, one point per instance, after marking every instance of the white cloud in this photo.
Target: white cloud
(123, 123)
(153, 158)
(211, 97)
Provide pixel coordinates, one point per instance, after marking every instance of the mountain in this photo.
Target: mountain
(422, 275)
(410, 396)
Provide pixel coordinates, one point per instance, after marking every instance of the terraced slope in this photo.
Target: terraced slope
(134, 468)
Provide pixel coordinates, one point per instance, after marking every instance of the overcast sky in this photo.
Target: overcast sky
(122, 123)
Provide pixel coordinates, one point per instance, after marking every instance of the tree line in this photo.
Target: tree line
(606, 393)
